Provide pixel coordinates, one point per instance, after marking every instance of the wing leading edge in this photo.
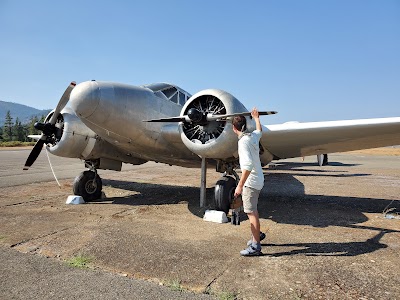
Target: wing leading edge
(302, 139)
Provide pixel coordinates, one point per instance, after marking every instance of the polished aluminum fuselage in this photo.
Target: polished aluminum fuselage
(116, 113)
(109, 123)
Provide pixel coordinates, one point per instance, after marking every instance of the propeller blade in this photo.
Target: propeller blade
(48, 128)
(211, 117)
(35, 152)
(193, 115)
(63, 101)
(171, 119)
(266, 113)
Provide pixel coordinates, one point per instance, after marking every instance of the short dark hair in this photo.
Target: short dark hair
(239, 122)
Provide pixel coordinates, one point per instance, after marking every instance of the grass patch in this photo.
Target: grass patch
(175, 285)
(227, 296)
(80, 261)
(16, 144)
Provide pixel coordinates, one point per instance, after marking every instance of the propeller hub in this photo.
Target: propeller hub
(195, 115)
(46, 128)
(39, 126)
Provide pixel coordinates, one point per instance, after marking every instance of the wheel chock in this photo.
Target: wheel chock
(236, 208)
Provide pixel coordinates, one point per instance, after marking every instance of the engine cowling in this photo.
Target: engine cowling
(211, 139)
(72, 138)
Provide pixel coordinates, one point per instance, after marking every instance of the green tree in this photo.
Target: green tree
(1, 134)
(8, 128)
(19, 132)
(30, 126)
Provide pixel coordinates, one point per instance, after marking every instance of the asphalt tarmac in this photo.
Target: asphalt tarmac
(12, 162)
(327, 235)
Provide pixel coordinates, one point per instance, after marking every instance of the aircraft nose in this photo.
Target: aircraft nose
(85, 98)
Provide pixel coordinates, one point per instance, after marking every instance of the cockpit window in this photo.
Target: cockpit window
(161, 95)
(174, 98)
(182, 98)
(170, 92)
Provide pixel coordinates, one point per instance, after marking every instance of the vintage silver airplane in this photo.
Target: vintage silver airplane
(107, 124)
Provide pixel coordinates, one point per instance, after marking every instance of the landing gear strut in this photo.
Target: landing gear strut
(225, 186)
(88, 184)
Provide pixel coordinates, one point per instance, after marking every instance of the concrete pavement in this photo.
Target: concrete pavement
(31, 277)
(327, 236)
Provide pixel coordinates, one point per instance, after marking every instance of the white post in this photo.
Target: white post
(320, 159)
(203, 182)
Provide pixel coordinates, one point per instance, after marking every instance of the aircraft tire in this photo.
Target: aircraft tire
(223, 193)
(88, 185)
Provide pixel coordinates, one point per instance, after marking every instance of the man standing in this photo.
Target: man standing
(252, 179)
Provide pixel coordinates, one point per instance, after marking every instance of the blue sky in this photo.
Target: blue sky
(309, 60)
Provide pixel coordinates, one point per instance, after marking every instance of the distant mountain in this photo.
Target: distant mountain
(23, 112)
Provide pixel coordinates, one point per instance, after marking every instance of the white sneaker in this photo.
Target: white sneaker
(262, 236)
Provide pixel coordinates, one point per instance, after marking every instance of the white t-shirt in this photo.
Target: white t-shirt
(249, 158)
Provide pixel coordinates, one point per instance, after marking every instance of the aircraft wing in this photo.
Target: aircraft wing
(36, 137)
(295, 139)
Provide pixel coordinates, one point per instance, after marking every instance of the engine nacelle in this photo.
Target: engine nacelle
(212, 139)
(72, 138)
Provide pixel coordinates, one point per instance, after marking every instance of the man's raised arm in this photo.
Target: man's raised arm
(256, 117)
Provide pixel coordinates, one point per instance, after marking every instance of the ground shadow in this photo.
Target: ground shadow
(159, 194)
(321, 173)
(288, 165)
(282, 200)
(332, 249)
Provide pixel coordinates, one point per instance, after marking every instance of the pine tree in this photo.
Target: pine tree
(19, 133)
(8, 128)
(30, 126)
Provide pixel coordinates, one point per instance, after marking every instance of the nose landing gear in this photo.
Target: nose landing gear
(88, 184)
